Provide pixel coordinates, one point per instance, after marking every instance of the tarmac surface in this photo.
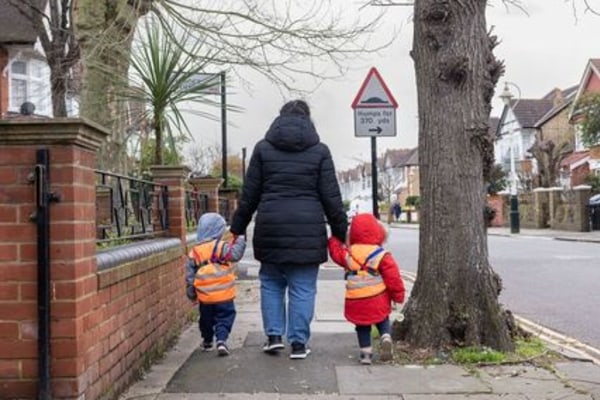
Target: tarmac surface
(332, 370)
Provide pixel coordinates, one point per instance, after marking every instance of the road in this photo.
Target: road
(553, 283)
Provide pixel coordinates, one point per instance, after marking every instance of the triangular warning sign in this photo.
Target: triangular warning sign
(374, 93)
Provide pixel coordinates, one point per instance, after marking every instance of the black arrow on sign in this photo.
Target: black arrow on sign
(378, 130)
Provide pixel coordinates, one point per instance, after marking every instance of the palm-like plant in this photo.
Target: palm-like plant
(165, 71)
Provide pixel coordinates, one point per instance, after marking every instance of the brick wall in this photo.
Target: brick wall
(104, 324)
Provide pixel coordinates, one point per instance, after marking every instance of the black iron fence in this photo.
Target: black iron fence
(128, 208)
(224, 209)
(196, 204)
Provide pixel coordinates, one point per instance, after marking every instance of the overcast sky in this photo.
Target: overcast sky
(546, 49)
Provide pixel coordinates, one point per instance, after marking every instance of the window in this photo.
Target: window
(29, 81)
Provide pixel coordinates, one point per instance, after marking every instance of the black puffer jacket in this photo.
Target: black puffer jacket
(291, 183)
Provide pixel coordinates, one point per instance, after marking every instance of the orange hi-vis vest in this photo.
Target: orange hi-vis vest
(215, 278)
(362, 278)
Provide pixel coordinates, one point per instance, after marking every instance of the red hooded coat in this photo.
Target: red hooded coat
(365, 229)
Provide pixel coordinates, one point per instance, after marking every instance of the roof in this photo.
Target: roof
(575, 159)
(414, 158)
(529, 111)
(16, 28)
(397, 157)
(494, 122)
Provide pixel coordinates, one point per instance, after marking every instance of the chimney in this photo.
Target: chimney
(557, 97)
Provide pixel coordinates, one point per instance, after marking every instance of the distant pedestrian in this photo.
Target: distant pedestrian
(291, 184)
(373, 281)
(210, 279)
(397, 209)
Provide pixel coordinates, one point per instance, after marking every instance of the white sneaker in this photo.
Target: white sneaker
(387, 347)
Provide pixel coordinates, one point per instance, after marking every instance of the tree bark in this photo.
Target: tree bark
(454, 300)
(105, 30)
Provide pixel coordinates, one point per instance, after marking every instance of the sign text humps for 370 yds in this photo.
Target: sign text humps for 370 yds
(374, 108)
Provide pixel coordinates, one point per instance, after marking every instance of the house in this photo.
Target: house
(525, 122)
(24, 73)
(397, 176)
(586, 159)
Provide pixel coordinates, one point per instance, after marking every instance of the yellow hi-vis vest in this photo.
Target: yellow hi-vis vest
(362, 278)
(215, 279)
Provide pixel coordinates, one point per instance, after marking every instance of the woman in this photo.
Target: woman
(292, 185)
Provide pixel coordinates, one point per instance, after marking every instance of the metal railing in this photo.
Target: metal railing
(128, 208)
(196, 204)
(224, 209)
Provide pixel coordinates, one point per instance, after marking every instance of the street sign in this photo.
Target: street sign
(374, 108)
(211, 82)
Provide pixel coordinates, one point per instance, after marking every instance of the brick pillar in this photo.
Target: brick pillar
(541, 208)
(173, 177)
(209, 186)
(582, 212)
(553, 203)
(72, 145)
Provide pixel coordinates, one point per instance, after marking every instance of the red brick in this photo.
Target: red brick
(27, 252)
(8, 175)
(17, 194)
(67, 328)
(18, 389)
(10, 369)
(29, 330)
(17, 311)
(24, 212)
(18, 349)
(9, 330)
(10, 233)
(18, 272)
(18, 155)
(67, 367)
(29, 368)
(73, 231)
(9, 291)
(8, 213)
(8, 252)
(28, 291)
(69, 388)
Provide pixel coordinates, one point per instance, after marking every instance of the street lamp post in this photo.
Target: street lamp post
(506, 97)
(223, 130)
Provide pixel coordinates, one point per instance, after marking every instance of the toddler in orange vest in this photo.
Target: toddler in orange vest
(372, 282)
(210, 280)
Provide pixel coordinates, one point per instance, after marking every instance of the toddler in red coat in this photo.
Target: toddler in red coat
(372, 282)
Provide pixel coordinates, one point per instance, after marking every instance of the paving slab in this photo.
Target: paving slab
(584, 376)
(273, 396)
(524, 379)
(381, 379)
(249, 370)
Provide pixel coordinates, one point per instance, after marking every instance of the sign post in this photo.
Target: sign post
(374, 115)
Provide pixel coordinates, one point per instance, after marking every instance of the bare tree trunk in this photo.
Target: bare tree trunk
(58, 85)
(455, 298)
(105, 30)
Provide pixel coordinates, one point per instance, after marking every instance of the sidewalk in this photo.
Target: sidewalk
(591, 237)
(332, 371)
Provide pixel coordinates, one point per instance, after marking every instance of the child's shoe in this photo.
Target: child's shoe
(207, 346)
(366, 357)
(386, 347)
(222, 349)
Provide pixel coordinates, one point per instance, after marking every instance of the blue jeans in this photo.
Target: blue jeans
(216, 320)
(364, 332)
(300, 281)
